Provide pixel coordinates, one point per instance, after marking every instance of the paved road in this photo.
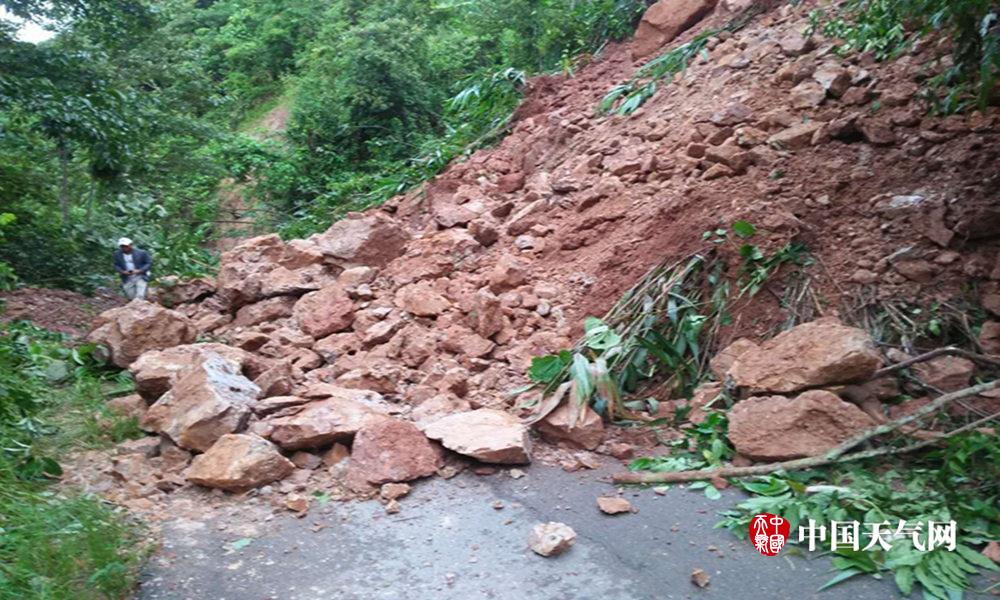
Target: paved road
(449, 542)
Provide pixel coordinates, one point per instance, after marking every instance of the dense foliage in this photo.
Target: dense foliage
(54, 544)
(137, 114)
(127, 121)
(959, 481)
(887, 28)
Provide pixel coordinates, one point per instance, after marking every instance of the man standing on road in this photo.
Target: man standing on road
(133, 267)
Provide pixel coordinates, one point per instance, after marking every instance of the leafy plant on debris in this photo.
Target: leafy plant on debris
(626, 98)
(660, 326)
(887, 28)
(952, 475)
(662, 331)
(956, 482)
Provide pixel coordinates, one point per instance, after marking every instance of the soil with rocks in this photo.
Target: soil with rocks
(390, 347)
(57, 310)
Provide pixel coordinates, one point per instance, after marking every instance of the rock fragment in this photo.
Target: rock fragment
(614, 505)
(551, 539)
(774, 428)
(238, 462)
(485, 434)
(129, 331)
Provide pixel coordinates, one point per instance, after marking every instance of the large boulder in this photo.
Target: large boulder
(421, 299)
(238, 462)
(818, 353)
(129, 331)
(242, 268)
(318, 423)
(387, 450)
(207, 402)
(724, 359)
(156, 371)
(373, 240)
(172, 290)
(946, 373)
(773, 428)
(265, 311)
(264, 266)
(989, 337)
(585, 431)
(488, 435)
(665, 20)
(324, 311)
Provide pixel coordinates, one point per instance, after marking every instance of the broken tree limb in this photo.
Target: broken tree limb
(836, 454)
(947, 350)
(789, 465)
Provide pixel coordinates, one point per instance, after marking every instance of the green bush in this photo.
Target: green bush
(887, 28)
(54, 544)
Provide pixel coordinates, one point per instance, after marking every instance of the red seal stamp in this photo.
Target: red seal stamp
(768, 533)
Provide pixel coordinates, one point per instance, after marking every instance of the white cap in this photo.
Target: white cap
(124, 241)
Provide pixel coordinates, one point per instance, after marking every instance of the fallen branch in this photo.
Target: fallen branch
(838, 454)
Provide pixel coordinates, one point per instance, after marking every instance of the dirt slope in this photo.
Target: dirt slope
(439, 299)
(570, 208)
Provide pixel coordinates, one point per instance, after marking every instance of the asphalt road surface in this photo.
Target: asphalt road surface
(450, 542)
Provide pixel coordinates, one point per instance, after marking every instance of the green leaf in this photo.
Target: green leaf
(751, 252)
(598, 335)
(744, 229)
(240, 543)
(931, 585)
(545, 369)
(904, 580)
(838, 578)
(976, 558)
(712, 493)
(580, 374)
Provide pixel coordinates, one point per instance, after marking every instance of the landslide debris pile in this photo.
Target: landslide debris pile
(397, 336)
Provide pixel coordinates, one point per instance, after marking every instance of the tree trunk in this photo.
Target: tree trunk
(91, 202)
(63, 147)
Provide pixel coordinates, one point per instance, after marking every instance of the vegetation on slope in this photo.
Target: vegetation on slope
(126, 122)
(56, 543)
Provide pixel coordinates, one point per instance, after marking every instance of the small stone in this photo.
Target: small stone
(717, 171)
(807, 94)
(834, 79)
(992, 551)
(497, 505)
(306, 460)
(392, 507)
(335, 454)
(515, 473)
(297, 503)
(551, 539)
(128, 406)
(394, 491)
(146, 446)
(621, 450)
(614, 505)
(700, 578)
(796, 44)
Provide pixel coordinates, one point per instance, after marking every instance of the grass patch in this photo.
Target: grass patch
(56, 547)
(56, 544)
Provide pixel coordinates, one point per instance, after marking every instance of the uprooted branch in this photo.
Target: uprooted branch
(838, 454)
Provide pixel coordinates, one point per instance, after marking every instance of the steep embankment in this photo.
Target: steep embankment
(435, 303)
